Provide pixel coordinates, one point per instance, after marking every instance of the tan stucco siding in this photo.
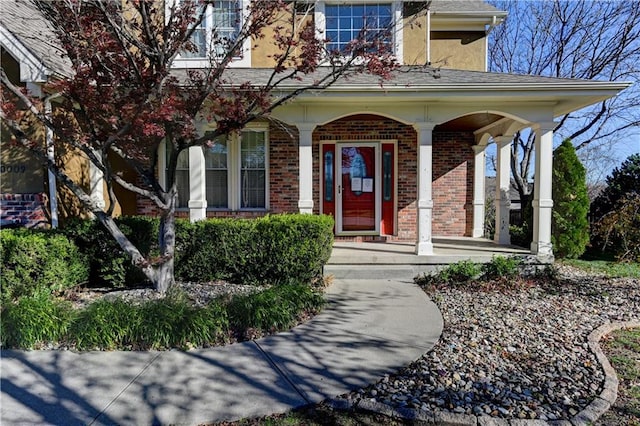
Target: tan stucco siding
(414, 39)
(459, 50)
(20, 171)
(264, 47)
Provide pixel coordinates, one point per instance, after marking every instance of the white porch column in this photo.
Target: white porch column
(305, 167)
(96, 182)
(542, 198)
(478, 190)
(197, 184)
(51, 177)
(424, 245)
(503, 187)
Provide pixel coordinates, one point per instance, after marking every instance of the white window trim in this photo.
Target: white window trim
(234, 171)
(237, 172)
(396, 12)
(242, 61)
(229, 156)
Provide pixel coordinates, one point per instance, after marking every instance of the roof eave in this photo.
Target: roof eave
(32, 69)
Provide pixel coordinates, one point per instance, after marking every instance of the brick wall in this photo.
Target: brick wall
(452, 173)
(23, 210)
(283, 172)
(453, 183)
(371, 127)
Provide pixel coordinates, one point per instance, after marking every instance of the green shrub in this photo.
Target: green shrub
(105, 324)
(272, 249)
(623, 181)
(157, 324)
(501, 267)
(215, 249)
(109, 265)
(38, 262)
(33, 321)
(276, 308)
(173, 322)
(459, 272)
(569, 224)
(294, 246)
(520, 235)
(619, 229)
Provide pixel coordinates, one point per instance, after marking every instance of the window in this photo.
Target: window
(253, 169)
(182, 177)
(345, 22)
(236, 170)
(217, 172)
(219, 28)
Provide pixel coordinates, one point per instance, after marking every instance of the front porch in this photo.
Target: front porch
(397, 260)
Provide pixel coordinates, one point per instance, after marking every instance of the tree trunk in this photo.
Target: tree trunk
(164, 272)
(161, 271)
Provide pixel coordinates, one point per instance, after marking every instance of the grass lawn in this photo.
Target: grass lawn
(622, 347)
(608, 268)
(321, 415)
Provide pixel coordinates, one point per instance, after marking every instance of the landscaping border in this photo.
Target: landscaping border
(588, 415)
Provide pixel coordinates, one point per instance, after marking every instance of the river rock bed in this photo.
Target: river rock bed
(513, 354)
(199, 294)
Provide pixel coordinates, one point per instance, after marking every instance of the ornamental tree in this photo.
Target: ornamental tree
(122, 98)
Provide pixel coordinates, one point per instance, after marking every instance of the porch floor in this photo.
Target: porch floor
(366, 260)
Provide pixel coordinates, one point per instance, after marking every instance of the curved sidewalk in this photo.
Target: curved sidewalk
(369, 328)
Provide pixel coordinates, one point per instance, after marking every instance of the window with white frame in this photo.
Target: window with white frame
(253, 169)
(236, 170)
(217, 174)
(346, 22)
(182, 177)
(218, 29)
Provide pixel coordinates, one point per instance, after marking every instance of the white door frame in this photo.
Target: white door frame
(377, 186)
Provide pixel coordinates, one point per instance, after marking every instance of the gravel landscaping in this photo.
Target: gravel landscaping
(513, 353)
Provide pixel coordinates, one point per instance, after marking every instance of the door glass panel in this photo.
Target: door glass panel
(328, 176)
(358, 188)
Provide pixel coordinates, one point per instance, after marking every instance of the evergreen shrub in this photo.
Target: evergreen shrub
(614, 214)
(109, 265)
(38, 262)
(273, 249)
(569, 224)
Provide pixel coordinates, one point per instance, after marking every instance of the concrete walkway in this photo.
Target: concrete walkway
(369, 328)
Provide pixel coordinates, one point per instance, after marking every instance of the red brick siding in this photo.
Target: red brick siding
(452, 173)
(24, 210)
(371, 127)
(283, 172)
(452, 183)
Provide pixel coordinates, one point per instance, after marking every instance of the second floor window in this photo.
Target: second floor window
(347, 22)
(218, 29)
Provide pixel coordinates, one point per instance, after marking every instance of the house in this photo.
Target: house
(400, 162)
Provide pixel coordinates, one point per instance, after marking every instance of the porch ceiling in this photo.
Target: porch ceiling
(471, 123)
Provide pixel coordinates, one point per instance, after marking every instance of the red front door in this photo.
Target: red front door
(358, 191)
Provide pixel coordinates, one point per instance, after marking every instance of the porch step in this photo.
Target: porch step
(381, 272)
